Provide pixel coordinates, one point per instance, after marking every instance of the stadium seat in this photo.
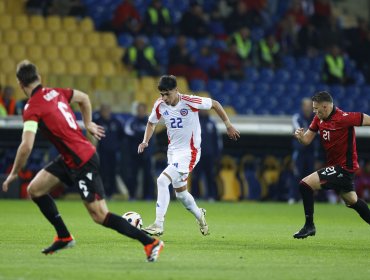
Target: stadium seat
(53, 23)
(266, 75)
(67, 53)
(76, 39)
(297, 76)
(289, 62)
(148, 84)
(69, 24)
(83, 53)
(66, 81)
(44, 38)
(230, 187)
(115, 54)
(37, 23)
(2, 8)
(281, 76)
(249, 177)
(86, 25)
(27, 37)
(20, 22)
(108, 40)
(83, 83)
(303, 64)
(91, 68)
(51, 53)
(99, 54)
(251, 74)
(60, 39)
(230, 87)
(116, 83)
(158, 43)
(182, 85)
(7, 65)
(5, 22)
(11, 37)
(125, 40)
(203, 93)
(277, 90)
(99, 83)
(74, 67)
(214, 85)
(57, 66)
(261, 89)
(197, 85)
(4, 51)
(42, 65)
(93, 39)
(107, 68)
(18, 52)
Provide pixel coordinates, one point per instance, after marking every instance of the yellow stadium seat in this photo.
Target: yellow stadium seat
(5, 22)
(69, 24)
(108, 40)
(141, 96)
(21, 22)
(53, 23)
(116, 53)
(99, 83)
(4, 51)
(117, 83)
(27, 37)
(51, 53)
(148, 84)
(44, 37)
(83, 83)
(228, 178)
(37, 23)
(74, 67)
(7, 65)
(60, 38)
(15, 7)
(230, 111)
(67, 53)
(52, 80)
(66, 81)
(42, 66)
(93, 39)
(2, 7)
(83, 53)
(11, 37)
(91, 68)
(100, 53)
(182, 84)
(107, 68)
(35, 52)
(86, 25)
(18, 52)
(76, 39)
(57, 66)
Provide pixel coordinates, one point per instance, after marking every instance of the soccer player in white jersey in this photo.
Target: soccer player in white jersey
(180, 114)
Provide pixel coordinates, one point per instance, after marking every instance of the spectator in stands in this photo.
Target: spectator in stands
(135, 129)
(287, 33)
(230, 63)
(362, 182)
(297, 13)
(67, 8)
(304, 157)
(244, 44)
(8, 101)
(140, 57)
(240, 17)
(38, 7)
(180, 60)
(19, 106)
(322, 12)
(330, 34)
(126, 18)
(207, 166)
(308, 40)
(194, 22)
(158, 20)
(207, 61)
(269, 52)
(108, 146)
(334, 70)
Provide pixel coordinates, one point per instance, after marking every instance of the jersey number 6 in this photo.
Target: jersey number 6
(67, 115)
(176, 123)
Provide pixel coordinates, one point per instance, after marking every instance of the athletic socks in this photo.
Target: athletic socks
(163, 199)
(307, 197)
(362, 209)
(119, 224)
(50, 211)
(188, 201)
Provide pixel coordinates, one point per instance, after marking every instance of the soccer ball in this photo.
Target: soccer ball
(134, 219)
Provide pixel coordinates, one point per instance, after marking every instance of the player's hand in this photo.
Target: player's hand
(233, 133)
(299, 133)
(142, 147)
(96, 130)
(11, 178)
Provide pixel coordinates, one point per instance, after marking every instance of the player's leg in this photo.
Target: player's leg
(307, 186)
(360, 206)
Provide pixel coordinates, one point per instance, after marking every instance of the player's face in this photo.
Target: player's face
(170, 97)
(321, 110)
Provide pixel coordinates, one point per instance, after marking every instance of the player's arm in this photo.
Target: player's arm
(83, 101)
(303, 137)
(149, 130)
(23, 152)
(365, 120)
(232, 132)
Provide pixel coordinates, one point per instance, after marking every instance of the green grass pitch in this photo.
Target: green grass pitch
(247, 241)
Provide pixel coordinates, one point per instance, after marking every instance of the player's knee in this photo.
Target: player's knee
(32, 191)
(163, 181)
(181, 195)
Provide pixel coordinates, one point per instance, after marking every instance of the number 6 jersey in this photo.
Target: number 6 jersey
(182, 122)
(49, 107)
(338, 137)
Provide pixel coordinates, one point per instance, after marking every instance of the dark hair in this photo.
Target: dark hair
(167, 82)
(322, 96)
(27, 73)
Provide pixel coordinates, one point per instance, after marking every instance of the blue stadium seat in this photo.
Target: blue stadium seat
(289, 62)
(297, 76)
(219, 45)
(261, 89)
(251, 74)
(281, 76)
(317, 64)
(312, 77)
(125, 40)
(359, 78)
(266, 75)
(257, 34)
(158, 43)
(307, 90)
(246, 88)
(197, 85)
(303, 63)
(214, 86)
(337, 91)
(230, 87)
(353, 91)
(292, 89)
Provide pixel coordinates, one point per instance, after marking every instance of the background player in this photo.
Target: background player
(180, 114)
(77, 163)
(338, 138)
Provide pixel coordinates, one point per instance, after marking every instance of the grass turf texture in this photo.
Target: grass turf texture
(247, 241)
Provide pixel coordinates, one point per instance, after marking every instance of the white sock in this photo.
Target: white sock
(163, 199)
(188, 201)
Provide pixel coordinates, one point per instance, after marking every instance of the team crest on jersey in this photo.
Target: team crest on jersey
(184, 112)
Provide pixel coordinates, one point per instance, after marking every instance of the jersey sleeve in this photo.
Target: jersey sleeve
(31, 113)
(156, 115)
(314, 126)
(352, 119)
(67, 92)
(197, 102)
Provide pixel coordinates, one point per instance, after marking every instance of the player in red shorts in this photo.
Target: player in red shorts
(78, 164)
(337, 135)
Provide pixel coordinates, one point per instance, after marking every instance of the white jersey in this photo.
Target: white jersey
(182, 122)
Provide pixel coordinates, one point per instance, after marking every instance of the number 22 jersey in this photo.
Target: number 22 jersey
(49, 107)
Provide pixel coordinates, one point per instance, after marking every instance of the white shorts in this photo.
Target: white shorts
(184, 162)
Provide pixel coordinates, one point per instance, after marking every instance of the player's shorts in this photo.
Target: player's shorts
(87, 178)
(337, 178)
(184, 162)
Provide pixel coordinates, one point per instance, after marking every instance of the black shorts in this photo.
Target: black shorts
(87, 178)
(337, 178)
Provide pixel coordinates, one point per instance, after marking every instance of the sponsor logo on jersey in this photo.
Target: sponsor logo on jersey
(184, 112)
(165, 113)
(52, 94)
(26, 106)
(175, 164)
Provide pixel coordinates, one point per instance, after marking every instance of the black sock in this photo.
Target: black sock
(119, 224)
(362, 209)
(307, 196)
(50, 211)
